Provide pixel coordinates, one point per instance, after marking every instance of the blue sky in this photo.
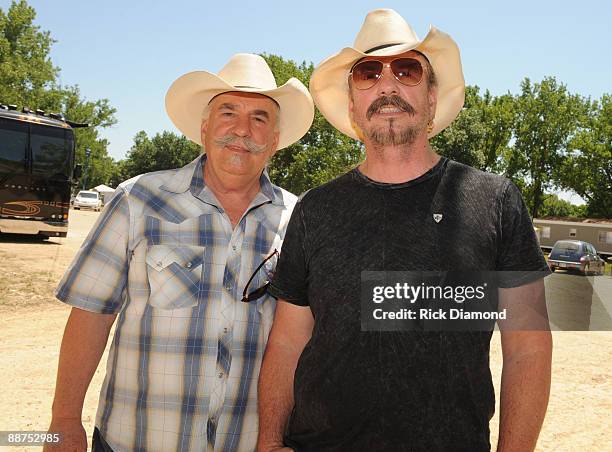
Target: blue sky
(131, 51)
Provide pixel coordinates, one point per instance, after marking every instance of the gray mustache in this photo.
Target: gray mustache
(394, 101)
(246, 142)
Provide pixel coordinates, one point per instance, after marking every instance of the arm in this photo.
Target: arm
(82, 347)
(526, 372)
(290, 332)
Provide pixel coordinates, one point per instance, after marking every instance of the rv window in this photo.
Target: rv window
(13, 143)
(545, 232)
(572, 233)
(51, 148)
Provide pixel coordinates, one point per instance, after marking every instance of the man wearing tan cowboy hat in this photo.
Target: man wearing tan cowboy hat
(182, 259)
(328, 383)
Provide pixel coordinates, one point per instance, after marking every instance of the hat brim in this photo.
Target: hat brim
(330, 90)
(189, 95)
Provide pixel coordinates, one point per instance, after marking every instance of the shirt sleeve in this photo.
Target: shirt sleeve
(96, 279)
(519, 260)
(291, 276)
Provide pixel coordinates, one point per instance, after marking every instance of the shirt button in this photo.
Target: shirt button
(220, 375)
(159, 264)
(225, 330)
(234, 247)
(228, 287)
(188, 265)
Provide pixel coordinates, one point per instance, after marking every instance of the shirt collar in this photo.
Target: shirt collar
(190, 177)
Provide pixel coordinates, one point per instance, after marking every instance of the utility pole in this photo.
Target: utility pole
(87, 154)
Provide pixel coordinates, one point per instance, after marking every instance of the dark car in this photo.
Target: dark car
(576, 255)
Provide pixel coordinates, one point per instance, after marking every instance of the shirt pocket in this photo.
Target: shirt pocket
(174, 273)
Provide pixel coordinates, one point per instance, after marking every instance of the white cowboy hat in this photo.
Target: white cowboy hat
(189, 95)
(383, 33)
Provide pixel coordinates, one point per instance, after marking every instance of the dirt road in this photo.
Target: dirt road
(32, 321)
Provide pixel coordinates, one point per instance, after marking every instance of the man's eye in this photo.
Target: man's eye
(227, 114)
(258, 119)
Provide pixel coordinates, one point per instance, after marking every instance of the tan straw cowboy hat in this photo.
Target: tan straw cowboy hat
(189, 95)
(383, 33)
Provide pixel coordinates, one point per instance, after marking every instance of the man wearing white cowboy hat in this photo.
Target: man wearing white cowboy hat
(182, 259)
(328, 383)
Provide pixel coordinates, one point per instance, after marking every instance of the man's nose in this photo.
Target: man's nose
(242, 126)
(387, 84)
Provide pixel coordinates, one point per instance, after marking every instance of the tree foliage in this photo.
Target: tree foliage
(481, 134)
(553, 206)
(163, 151)
(27, 74)
(587, 169)
(548, 116)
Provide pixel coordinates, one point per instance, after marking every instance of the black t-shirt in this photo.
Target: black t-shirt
(398, 390)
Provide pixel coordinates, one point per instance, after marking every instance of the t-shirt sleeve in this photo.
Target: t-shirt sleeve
(519, 260)
(291, 275)
(96, 278)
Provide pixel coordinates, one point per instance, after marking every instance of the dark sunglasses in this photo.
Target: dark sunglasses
(260, 292)
(407, 71)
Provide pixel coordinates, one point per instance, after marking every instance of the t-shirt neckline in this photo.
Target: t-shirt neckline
(434, 170)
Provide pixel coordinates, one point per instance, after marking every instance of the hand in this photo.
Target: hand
(73, 436)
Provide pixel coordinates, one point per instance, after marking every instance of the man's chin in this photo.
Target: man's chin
(393, 136)
(237, 162)
(241, 165)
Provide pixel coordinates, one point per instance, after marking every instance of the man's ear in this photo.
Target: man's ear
(432, 97)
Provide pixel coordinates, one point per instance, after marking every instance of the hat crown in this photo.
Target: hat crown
(246, 70)
(382, 28)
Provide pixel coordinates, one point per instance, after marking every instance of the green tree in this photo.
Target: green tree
(165, 150)
(547, 118)
(499, 116)
(480, 135)
(29, 78)
(587, 168)
(322, 154)
(26, 71)
(553, 206)
(462, 140)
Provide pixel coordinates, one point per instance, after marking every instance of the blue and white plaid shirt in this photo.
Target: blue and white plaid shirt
(184, 362)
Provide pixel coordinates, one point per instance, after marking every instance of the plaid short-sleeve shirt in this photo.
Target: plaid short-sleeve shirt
(185, 358)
